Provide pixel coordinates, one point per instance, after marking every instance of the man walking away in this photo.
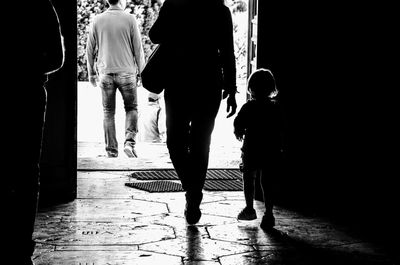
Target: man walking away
(115, 59)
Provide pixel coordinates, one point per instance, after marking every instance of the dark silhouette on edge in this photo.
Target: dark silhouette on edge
(30, 57)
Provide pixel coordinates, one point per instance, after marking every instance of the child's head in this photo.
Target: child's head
(261, 84)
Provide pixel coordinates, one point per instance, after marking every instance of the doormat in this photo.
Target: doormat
(170, 186)
(170, 174)
(156, 186)
(223, 185)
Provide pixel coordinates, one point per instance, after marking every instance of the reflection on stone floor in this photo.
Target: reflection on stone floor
(110, 223)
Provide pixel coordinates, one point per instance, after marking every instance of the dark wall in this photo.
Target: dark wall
(333, 68)
(58, 166)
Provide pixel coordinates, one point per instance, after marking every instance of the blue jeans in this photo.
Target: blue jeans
(127, 86)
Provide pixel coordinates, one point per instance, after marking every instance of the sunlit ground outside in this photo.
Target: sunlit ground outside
(90, 124)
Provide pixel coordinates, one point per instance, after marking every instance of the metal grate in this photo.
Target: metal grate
(170, 174)
(170, 186)
(223, 185)
(156, 186)
(167, 174)
(160, 180)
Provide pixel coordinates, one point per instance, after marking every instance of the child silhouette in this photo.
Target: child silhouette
(257, 124)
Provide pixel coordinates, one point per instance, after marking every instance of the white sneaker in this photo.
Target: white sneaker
(130, 151)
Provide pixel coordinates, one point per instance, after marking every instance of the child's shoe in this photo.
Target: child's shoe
(268, 221)
(247, 214)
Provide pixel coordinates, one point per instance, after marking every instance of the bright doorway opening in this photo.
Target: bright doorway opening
(225, 149)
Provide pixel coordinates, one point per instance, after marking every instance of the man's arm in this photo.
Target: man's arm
(90, 55)
(227, 52)
(137, 46)
(228, 62)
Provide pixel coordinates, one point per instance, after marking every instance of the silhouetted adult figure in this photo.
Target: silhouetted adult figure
(32, 51)
(198, 38)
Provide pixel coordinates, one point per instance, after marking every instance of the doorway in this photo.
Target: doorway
(90, 137)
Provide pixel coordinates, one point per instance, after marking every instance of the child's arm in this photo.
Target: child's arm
(239, 124)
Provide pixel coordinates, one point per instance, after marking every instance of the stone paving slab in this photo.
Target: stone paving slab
(109, 224)
(66, 233)
(104, 184)
(104, 210)
(178, 222)
(304, 256)
(106, 257)
(196, 246)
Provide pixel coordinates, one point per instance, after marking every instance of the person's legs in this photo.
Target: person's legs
(199, 148)
(108, 92)
(177, 126)
(196, 171)
(267, 179)
(248, 213)
(127, 86)
(204, 111)
(190, 121)
(248, 187)
(267, 189)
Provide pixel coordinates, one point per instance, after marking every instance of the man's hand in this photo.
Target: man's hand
(230, 103)
(93, 80)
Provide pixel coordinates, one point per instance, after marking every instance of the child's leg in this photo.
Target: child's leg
(248, 187)
(268, 190)
(267, 181)
(248, 213)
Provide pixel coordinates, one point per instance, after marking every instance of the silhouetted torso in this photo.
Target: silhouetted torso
(261, 122)
(198, 41)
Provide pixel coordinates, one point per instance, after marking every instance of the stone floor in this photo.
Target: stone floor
(110, 223)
